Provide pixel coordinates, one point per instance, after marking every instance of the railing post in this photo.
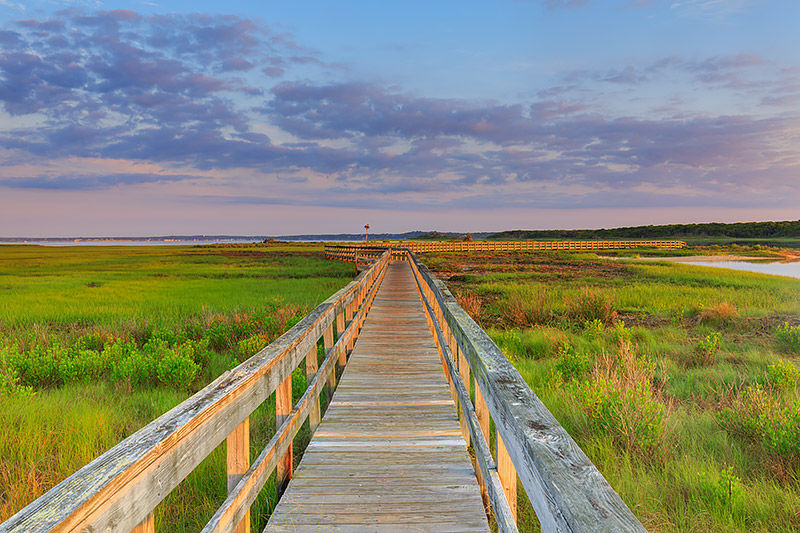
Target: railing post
(283, 406)
(340, 331)
(311, 370)
(463, 371)
(148, 525)
(238, 461)
(327, 341)
(348, 316)
(508, 475)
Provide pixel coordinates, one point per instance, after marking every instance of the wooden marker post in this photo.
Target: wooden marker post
(238, 451)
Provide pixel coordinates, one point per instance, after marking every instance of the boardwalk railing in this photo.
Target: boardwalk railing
(566, 490)
(349, 251)
(119, 490)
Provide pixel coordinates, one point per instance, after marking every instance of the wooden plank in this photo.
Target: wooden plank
(390, 424)
(238, 461)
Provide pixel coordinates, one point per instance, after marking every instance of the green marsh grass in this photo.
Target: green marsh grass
(76, 301)
(716, 458)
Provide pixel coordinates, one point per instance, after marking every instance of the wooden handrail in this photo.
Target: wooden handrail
(350, 251)
(119, 490)
(566, 490)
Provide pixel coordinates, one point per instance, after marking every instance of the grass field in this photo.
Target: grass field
(680, 382)
(96, 342)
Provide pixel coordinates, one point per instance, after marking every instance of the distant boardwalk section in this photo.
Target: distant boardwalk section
(348, 252)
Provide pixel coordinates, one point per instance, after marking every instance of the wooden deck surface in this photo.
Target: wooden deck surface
(389, 454)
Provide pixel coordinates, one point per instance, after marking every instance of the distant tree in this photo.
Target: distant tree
(468, 237)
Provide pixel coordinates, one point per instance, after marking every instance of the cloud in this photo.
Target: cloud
(184, 93)
(73, 182)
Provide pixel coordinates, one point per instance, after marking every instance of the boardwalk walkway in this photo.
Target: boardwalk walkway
(388, 454)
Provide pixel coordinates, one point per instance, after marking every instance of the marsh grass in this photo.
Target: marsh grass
(97, 342)
(686, 401)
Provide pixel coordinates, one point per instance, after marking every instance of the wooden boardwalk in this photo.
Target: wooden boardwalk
(389, 454)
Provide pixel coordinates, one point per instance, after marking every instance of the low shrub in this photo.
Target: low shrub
(725, 487)
(705, 352)
(620, 401)
(788, 337)
(782, 375)
(470, 303)
(594, 328)
(571, 364)
(591, 304)
(177, 370)
(252, 345)
(722, 313)
(770, 420)
(523, 310)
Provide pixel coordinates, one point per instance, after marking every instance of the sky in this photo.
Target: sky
(273, 118)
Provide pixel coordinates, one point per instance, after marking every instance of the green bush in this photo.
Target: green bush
(220, 335)
(86, 366)
(725, 488)
(593, 328)
(177, 370)
(770, 420)
(788, 337)
(782, 375)
(705, 353)
(570, 363)
(252, 345)
(632, 417)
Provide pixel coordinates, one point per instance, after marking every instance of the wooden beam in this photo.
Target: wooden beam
(238, 461)
(148, 525)
(283, 406)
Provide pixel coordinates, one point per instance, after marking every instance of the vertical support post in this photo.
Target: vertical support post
(508, 475)
(348, 315)
(340, 331)
(327, 341)
(148, 525)
(283, 406)
(463, 371)
(238, 461)
(311, 371)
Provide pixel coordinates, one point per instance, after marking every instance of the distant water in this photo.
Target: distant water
(129, 243)
(791, 269)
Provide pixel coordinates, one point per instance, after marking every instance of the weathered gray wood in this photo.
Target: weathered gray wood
(120, 488)
(505, 517)
(389, 449)
(244, 494)
(566, 490)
